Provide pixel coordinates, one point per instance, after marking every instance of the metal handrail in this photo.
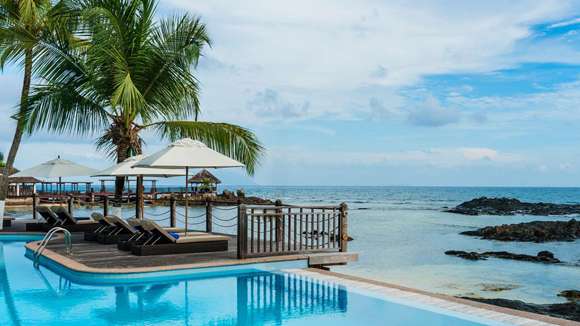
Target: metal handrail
(67, 241)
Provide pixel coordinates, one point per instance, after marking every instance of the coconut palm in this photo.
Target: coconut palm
(134, 76)
(28, 30)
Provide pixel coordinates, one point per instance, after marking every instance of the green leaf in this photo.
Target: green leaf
(231, 140)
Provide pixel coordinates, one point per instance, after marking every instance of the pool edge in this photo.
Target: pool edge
(366, 283)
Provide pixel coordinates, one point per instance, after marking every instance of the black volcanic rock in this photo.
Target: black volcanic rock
(536, 231)
(545, 257)
(568, 310)
(512, 206)
(571, 295)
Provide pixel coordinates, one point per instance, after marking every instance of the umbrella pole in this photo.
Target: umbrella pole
(186, 197)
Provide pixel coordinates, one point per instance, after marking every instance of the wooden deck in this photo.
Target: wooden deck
(102, 256)
(95, 257)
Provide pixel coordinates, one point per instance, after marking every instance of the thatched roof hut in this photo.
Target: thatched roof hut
(204, 176)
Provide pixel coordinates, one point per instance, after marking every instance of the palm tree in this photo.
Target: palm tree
(28, 29)
(135, 75)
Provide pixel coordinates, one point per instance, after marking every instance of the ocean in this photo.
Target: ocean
(401, 234)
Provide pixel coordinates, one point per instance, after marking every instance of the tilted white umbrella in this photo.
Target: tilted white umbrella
(187, 153)
(126, 169)
(57, 168)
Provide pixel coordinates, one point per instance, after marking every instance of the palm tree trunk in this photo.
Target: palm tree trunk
(120, 181)
(17, 133)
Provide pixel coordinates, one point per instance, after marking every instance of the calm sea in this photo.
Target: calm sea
(401, 234)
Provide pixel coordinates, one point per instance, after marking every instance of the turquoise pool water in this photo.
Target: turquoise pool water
(402, 234)
(41, 297)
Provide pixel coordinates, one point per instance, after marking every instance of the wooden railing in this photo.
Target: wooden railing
(279, 230)
(260, 230)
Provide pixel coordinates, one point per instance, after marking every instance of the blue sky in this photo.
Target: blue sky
(381, 93)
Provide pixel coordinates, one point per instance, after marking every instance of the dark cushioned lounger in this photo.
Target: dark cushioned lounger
(164, 243)
(122, 231)
(50, 220)
(102, 227)
(72, 224)
(143, 236)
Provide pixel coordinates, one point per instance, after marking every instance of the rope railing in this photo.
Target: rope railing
(159, 214)
(223, 208)
(225, 226)
(159, 219)
(235, 217)
(190, 217)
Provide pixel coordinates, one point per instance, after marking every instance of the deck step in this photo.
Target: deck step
(334, 258)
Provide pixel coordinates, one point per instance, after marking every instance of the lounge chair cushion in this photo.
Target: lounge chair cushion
(48, 215)
(202, 238)
(64, 215)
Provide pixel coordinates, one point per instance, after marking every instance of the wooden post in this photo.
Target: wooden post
(172, 211)
(279, 225)
(343, 227)
(139, 201)
(242, 232)
(105, 205)
(34, 198)
(70, 202)
(208, 216)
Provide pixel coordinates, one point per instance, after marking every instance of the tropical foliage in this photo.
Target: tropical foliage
(131, 75)
(28, 31)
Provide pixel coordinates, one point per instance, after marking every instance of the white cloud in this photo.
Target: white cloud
(322, 52)
(431, 113)
(434, 157)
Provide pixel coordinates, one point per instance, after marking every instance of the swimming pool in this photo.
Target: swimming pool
(246, 297)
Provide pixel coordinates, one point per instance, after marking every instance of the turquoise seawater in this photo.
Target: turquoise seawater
(402, 233)
(41, 297)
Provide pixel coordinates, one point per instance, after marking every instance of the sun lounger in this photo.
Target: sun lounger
(122, 231)
(142, 236)
(50, 218)
(102, 227)
(72, 224)
(164, 243)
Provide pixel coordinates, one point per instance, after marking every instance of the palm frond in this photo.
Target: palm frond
(234, 141)
(64, 108)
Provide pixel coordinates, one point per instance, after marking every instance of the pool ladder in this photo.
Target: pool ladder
(67, 241)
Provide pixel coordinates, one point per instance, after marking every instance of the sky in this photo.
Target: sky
(365, 92)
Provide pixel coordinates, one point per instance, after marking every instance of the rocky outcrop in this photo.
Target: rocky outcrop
(571, 295)
(537, 231)
(568, 310)
(512, 206)
(229, 196)
(545, 257)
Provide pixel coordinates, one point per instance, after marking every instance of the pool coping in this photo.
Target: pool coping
(82, 268)
(446, 302)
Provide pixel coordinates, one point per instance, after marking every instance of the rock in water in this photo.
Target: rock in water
(536, 231)
(571, 295)
(568, 310)
(545, 257)
(512, 206)
(466, 255)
